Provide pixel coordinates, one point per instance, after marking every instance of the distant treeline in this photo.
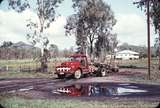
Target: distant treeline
(142, 50)
(21, 50)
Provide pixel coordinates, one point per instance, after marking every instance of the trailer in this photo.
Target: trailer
(77, 65)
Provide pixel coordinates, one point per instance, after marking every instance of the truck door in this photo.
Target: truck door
(84, 65)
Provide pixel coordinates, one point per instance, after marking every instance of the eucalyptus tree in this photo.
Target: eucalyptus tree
(105, 45)
(155, 16)
(54, 51)
(45, 11)
(1, 1)
(92, 19)
(157, 47)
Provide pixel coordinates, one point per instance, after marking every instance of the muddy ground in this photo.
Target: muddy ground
(114, 86)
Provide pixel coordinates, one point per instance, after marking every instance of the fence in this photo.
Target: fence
(140, 63)
(27, 65)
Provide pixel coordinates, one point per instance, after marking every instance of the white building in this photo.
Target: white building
(127, 55)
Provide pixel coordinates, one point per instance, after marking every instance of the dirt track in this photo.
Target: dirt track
(114, 86)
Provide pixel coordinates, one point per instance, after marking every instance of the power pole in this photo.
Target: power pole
(148, 34)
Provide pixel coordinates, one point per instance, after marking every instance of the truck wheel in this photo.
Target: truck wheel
(116, 70)
(61, 76)
(77, 74)
(103, 72)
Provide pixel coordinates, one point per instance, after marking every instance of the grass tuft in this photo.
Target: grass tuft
(25, 103)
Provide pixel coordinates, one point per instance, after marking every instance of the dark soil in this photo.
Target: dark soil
(91, 88)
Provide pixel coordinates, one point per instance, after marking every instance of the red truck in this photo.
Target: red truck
(77, 65)
(88, 90)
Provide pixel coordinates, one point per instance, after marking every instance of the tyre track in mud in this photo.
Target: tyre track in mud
(12, 85)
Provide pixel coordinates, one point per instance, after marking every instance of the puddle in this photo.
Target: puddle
(124, 84)
(124, 91)
(133, 87)
(99, 90)
(22, 89)
(12, 91)
(26, 89)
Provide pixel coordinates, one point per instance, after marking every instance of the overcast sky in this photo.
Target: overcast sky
(130, 27)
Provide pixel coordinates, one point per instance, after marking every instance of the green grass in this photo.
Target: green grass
(138, 63)
(16, 65)
(15, 102)
(32, 63)
(142, 63)
(25, 75)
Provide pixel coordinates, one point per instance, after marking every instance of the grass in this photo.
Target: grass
(13, 74)
(143, 77)
(144, 80)
(15, 64)
(32, 63)
(142, 64)
(138, 63)
(15, 102)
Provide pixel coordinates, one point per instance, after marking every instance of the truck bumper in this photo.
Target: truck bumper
(66, 74)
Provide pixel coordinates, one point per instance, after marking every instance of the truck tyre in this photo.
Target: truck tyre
(103, 72)
(61, 76)
(117, 70)
(77, 74)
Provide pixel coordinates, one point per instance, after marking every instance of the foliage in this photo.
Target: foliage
(142, 50)
(6, 44)
(155, 15)
(105, 45)
(19, 50)
(1, 1)
(93, 19)
(45, 10)
(156, 45)
(54, 51)
(154, 11)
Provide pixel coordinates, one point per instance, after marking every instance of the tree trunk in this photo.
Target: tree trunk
(159, 51)
(44, 54)
(102, 56)
(44, 66)
(91, 52)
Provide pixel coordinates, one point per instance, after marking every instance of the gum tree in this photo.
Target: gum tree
(155, 16)
(45, 11)
(92, 19)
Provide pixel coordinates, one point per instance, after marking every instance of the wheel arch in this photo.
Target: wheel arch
(79, 69)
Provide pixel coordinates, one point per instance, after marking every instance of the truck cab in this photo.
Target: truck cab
(76, 65)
